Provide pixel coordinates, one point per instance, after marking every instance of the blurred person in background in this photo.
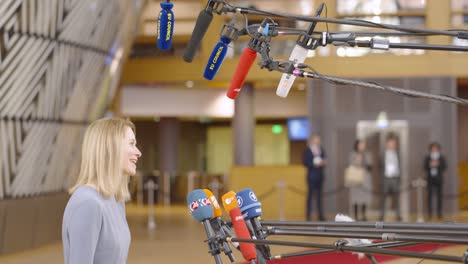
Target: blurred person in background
(314, 159)
(391, 173)
(359, 184)
(434, 166)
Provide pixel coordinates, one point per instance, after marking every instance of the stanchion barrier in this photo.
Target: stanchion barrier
(151, 186)
(420, 184)
(166, 190)
(265, 195)
(191, 175)
(140, 189)
(282, 187)
(215, 185)
(454, 196)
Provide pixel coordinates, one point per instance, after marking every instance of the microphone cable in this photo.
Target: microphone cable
(399, 91)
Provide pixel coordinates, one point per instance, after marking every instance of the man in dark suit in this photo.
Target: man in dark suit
(391, 172)
(434, 165)
(314, 159)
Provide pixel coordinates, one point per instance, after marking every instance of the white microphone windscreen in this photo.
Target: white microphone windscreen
(298, 55)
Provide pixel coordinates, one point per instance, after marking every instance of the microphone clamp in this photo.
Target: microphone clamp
(229, 31)
(340, 243)
(278, 65)
(215, 6)
(215, 244)
(259, 42)
(308, 41)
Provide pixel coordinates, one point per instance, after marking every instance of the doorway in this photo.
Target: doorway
(375, 137)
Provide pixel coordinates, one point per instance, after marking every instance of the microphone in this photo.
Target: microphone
(228, 33)
(214, 202)
(298, 55)
(251, 209)
(216, 58)
(202, 210)
(230, 205)
(165, 26)
(201, 26)
(219, 226)
(247, 58)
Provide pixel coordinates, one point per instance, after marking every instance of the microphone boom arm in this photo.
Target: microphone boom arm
(339, 246)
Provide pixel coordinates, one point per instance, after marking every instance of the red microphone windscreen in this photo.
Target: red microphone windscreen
(248, 57)
(247, 249)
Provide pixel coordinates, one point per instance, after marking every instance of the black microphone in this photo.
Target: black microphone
(165, 28)
(201, 26)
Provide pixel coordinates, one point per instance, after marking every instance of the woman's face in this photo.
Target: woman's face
(130, 153)
(361, 146)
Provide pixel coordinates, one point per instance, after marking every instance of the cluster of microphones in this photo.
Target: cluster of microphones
(244, 211)
(246, 232)
(244, 227)
(260, 38)
(258, 43)
(260, 35)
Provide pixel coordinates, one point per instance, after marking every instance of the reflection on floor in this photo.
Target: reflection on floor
(176, 239)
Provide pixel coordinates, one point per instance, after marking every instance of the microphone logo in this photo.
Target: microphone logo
(253, 197)
(214, 201)
(201, 202)
(194, 206)
(239, 201)
(169, 26)
(205, 202)
(228, 200)
(216, 57)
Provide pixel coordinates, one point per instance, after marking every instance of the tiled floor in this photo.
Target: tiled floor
(176, 239)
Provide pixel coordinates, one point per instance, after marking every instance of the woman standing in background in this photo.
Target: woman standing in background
(361, 192)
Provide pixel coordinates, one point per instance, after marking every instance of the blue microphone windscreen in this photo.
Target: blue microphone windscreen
(200, 205)
(216, 59)
(201, 26)
(248, 203)
(165, 29)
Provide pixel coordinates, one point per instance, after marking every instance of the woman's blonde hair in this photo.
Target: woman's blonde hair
(101, 158)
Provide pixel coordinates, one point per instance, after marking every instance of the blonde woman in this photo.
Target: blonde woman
(95, 228)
